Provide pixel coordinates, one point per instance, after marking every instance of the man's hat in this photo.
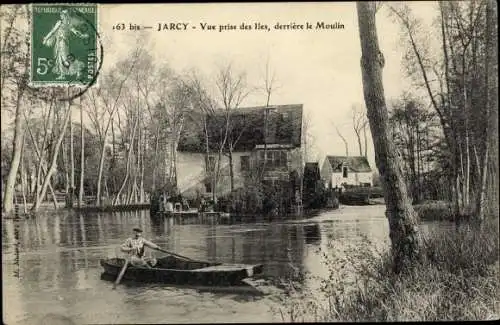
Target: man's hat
(137, 229)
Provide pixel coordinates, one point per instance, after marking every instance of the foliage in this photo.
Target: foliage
(434, 211)
(246, 200)
(315, 197)
(416, 133)
(461, 86)
(457, 281)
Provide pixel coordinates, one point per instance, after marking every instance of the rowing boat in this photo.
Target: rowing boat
(174, 270)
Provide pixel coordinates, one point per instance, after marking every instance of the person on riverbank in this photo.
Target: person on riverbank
(135, 247)
(169, 207)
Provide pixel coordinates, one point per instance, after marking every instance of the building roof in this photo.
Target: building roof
(246, 128)
(355, 163)
(312, 165)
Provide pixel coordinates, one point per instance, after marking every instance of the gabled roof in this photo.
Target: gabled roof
(246, 128)
(355, 163)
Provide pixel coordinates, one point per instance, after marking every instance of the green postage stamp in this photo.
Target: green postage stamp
(64, 45)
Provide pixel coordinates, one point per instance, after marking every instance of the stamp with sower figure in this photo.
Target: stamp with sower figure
(64, 45)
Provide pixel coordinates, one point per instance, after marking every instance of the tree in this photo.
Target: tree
(404, 233)
(205, 106)
(82, 156)
(52, 168)
(105, 102)
(232, 90)
(359, 124)
(491, 156)
(268, 88)
(414, 133)
(14, 79)
(455, 80)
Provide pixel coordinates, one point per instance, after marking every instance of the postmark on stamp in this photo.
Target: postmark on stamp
(64, 45)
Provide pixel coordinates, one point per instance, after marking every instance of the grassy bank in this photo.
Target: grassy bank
(434, 211)
(458, 281)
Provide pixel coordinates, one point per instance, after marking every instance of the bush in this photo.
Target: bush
(248, 199)
(434, 211)
(457, 281)
(360, 195)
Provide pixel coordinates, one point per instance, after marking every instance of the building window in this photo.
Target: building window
(274, 158)
(269, 158)
(245, 163)
(344, 171)
(283, 159)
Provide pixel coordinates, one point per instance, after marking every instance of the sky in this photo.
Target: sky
(317, 68)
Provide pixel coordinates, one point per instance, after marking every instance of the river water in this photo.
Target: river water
(50, 264)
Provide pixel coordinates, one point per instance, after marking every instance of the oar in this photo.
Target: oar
(170, 253)
(122, 272)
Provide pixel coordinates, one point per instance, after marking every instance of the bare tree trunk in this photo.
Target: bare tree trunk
(155, 159)
(231, 172)
(41, 153)
(419, 164)
(345, 142)
(72, 159)
(110, 121)
(358, 137)
(129, 156)
(66, 171)
(143, 146)
(411, 153)
(467, 142)
(9, 22)
(82, 156)
(99, 173)
(16, 156)
(52, 167)
(41, 164)
(138, 163)
(366, 141)
(54, 198)
(404, 233)
(23, 175)
(490, 162)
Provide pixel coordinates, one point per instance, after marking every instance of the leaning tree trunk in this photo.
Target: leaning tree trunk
(129, 156)
(53, 163)
(404, 233)
(41, 164)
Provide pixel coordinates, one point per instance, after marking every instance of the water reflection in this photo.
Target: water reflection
(312, 233)
(51, 262)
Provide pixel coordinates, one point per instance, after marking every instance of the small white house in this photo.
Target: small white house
(341, 170)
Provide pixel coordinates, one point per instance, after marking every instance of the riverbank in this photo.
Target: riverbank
(457, 281)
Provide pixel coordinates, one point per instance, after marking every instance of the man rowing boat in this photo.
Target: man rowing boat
(135, 247)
